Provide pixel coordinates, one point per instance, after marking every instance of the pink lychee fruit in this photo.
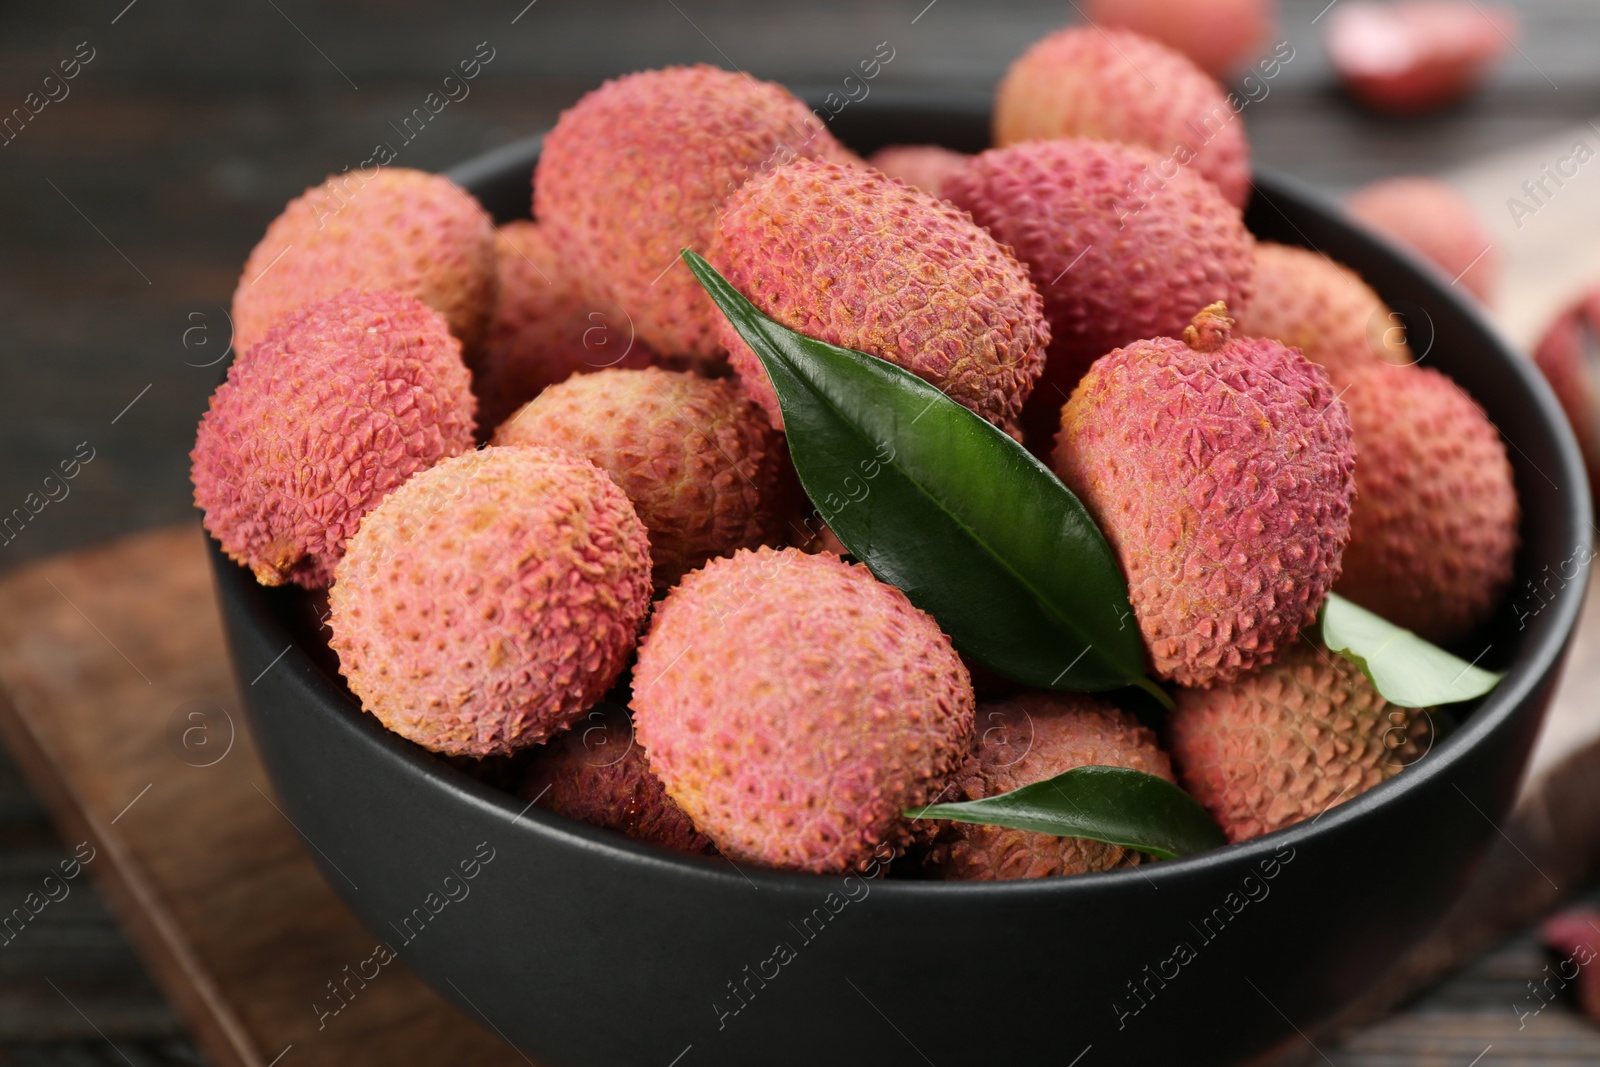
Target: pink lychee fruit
(1416, 55)
(1438, 223)
(921, 166)
(1221, 36)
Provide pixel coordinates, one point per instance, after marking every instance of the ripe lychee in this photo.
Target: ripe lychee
(1434, 535)
(1438, 223)
(335, 407)
(1113, 85)
(1568, 356)
(1026, 739)
(1118, 252)
(546, 327)
(1323, 308)
(638, 170)
(795, 706)
(1290, 741)
(1416, 56)
(857, 259)
(704, 468)
(491, 600)
(1219, 35)
(391, 228)
(922, 166)
(1222, 473)
(597, 773)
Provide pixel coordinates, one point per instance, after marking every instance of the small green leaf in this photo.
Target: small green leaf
(935, 500)
(1406, 670)
(1111, 804)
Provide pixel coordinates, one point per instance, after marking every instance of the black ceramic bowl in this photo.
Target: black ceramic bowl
(585, 948)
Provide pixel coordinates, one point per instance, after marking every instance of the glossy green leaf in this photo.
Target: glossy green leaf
(935, 500)
(1112, 804)
(1406, 670)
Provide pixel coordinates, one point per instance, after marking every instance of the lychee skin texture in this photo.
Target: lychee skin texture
(795, 706)
(336, 407)
(546, 327)
(491, 600)
(1434, 535)
(639, 169)
(1114, 266)
(1030, 738)
(1222, 473)
(704, 468)
(390, 228)
(1113, 85)
(857, 259)
(1288, 742)
(1323, 308)
(921, 166)
(1219, 35)
(1438, 223)
(597, 773)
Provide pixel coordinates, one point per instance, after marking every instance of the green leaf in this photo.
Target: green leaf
(935, 500)
(1406, 670)
(1111, 804)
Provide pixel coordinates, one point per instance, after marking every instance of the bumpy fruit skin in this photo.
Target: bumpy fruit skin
(391, 228)
(921, 166)
(1113, 85)
(491, 600)
(1434, 535)
(1030, 738)
(1416, 56)
(857, 259)
(1117, 253)
(1289, 741)
(597, 773)
(336, 407)
(795, 706)
(1219, 35)
(1438, 223)
(1222, 472)
(638, 170)
(1323, 308)
(546, 327)
(704, 468)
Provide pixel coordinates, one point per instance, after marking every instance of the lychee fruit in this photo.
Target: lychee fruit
(333, 409)
(1323, 308)
(1574, 934)
(1221, 470)
(857, 259)
(1438, 223)
(638, 170)
(794, 706)
(704, 468)
(390, 228)
(597, 773)
(1113, 85)
(1290, 741)
(1567, 356)
(546, 327)
(491, 600)
(1118, 251)
(1416, 55)
(921, 166)
(1026, 739)
(1219, 35)
(1434, 534)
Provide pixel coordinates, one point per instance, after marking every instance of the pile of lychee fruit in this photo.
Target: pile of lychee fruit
(548, 490)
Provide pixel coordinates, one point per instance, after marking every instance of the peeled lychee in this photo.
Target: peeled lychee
(704, 468)
(1434, 534)
(1219, 35)
(337, 406)
(390, 228)
(638, 170)
(1027, 739)
(597, 773)
(1323, 308)
(795, 706)
(1416, 55)
(546, 327)
(922, 166)
(491, 600)
(1113, 85)
(1221, 470)
(1438, 223)
(1290, 741)
(1118, 252)
(854, 258)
